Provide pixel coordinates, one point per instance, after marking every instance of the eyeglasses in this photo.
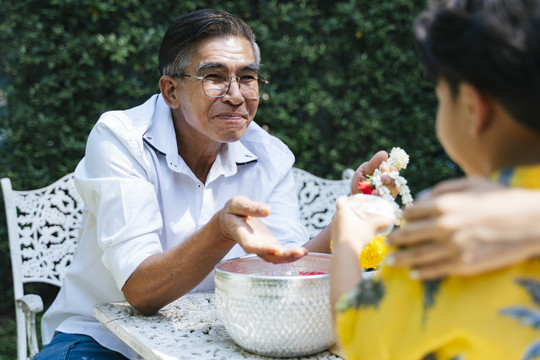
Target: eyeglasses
(216, 84)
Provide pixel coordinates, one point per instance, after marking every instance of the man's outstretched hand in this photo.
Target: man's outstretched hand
(239, 222)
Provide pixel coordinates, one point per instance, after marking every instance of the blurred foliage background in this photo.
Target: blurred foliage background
(345, 83)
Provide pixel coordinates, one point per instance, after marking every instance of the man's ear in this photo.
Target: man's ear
(478, 108)
(169, 88)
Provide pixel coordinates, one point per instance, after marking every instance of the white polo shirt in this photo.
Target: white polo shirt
(142, 199)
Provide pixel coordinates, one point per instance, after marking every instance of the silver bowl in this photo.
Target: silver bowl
(276, 309)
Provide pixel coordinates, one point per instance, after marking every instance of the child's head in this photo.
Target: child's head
(491, 46)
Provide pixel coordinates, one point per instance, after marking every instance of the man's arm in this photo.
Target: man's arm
(164, 277)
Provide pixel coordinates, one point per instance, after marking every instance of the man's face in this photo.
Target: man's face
(222, 119)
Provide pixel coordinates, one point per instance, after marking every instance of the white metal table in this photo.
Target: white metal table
(188, 328)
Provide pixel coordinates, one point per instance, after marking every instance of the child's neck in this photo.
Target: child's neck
(521, 152)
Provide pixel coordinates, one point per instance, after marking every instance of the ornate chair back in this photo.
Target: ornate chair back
(43, 226)
(317, 198)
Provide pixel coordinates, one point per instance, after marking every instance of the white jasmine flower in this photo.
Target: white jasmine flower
(376, 178)
(400, 181)
(398, 158)
(406, 199)
(385, 193)
(393, 174)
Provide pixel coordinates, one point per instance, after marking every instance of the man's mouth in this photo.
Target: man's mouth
(232, 116)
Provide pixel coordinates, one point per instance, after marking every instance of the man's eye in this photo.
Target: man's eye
(249, 77)
(215, 77)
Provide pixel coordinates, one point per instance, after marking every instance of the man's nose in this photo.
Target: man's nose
(234, 95)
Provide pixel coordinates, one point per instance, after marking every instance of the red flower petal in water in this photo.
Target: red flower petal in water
(307, 273)
(365, 187)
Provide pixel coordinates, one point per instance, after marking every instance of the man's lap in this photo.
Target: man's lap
(76, 347)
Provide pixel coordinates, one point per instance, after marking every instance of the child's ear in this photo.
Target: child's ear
(478, 108)
(169, 91)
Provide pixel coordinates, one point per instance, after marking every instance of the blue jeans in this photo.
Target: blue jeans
(76, 347)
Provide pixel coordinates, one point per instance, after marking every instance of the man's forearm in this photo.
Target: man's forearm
(321, 242)
(163, 278)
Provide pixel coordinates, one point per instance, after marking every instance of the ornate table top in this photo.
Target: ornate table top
(188, 328)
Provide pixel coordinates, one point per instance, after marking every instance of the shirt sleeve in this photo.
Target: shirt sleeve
(115, 188)
(284, 220)
(275, 185)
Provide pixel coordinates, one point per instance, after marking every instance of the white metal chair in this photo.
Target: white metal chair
(317, 198)
(43, 226)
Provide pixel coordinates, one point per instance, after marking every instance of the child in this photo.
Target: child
(484, 58)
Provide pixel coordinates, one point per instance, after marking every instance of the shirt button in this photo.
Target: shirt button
(199, 186)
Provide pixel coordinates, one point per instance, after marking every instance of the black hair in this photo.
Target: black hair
(181, 39)
(492, 44)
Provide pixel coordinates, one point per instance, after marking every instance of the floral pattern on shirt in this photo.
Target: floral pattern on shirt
(430, 291)
(527, 316)
(369, 293)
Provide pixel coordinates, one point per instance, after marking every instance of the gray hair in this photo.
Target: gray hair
(185, 34)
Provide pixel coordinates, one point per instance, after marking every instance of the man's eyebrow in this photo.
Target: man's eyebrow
(219, 66)
(211, 65)
(254, 66)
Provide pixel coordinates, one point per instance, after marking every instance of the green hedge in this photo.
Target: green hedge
(345, 82)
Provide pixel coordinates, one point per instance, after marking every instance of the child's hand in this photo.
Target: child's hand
(350, 234)
(351, 229)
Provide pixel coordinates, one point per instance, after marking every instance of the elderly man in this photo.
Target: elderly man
(177, 184)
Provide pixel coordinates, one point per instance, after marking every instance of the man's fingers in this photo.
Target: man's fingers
(390, 183)
(242, 206)
(424, 230)
(374, 162)
(470, 184)
(367, 168)
(256, 238)
(450, 186)
(277, 254)
(452, 266)
(426, 208)
(432, 271)
(387, 168)
(283, 255)
(420, 255)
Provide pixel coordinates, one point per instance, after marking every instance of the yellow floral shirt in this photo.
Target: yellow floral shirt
(495, 315)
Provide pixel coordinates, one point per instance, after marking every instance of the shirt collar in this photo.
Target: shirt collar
(158, 135)
(231, 157)
(527, 176)
(161, 138)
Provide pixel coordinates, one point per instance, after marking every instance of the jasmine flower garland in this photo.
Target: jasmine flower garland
(399, 159)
